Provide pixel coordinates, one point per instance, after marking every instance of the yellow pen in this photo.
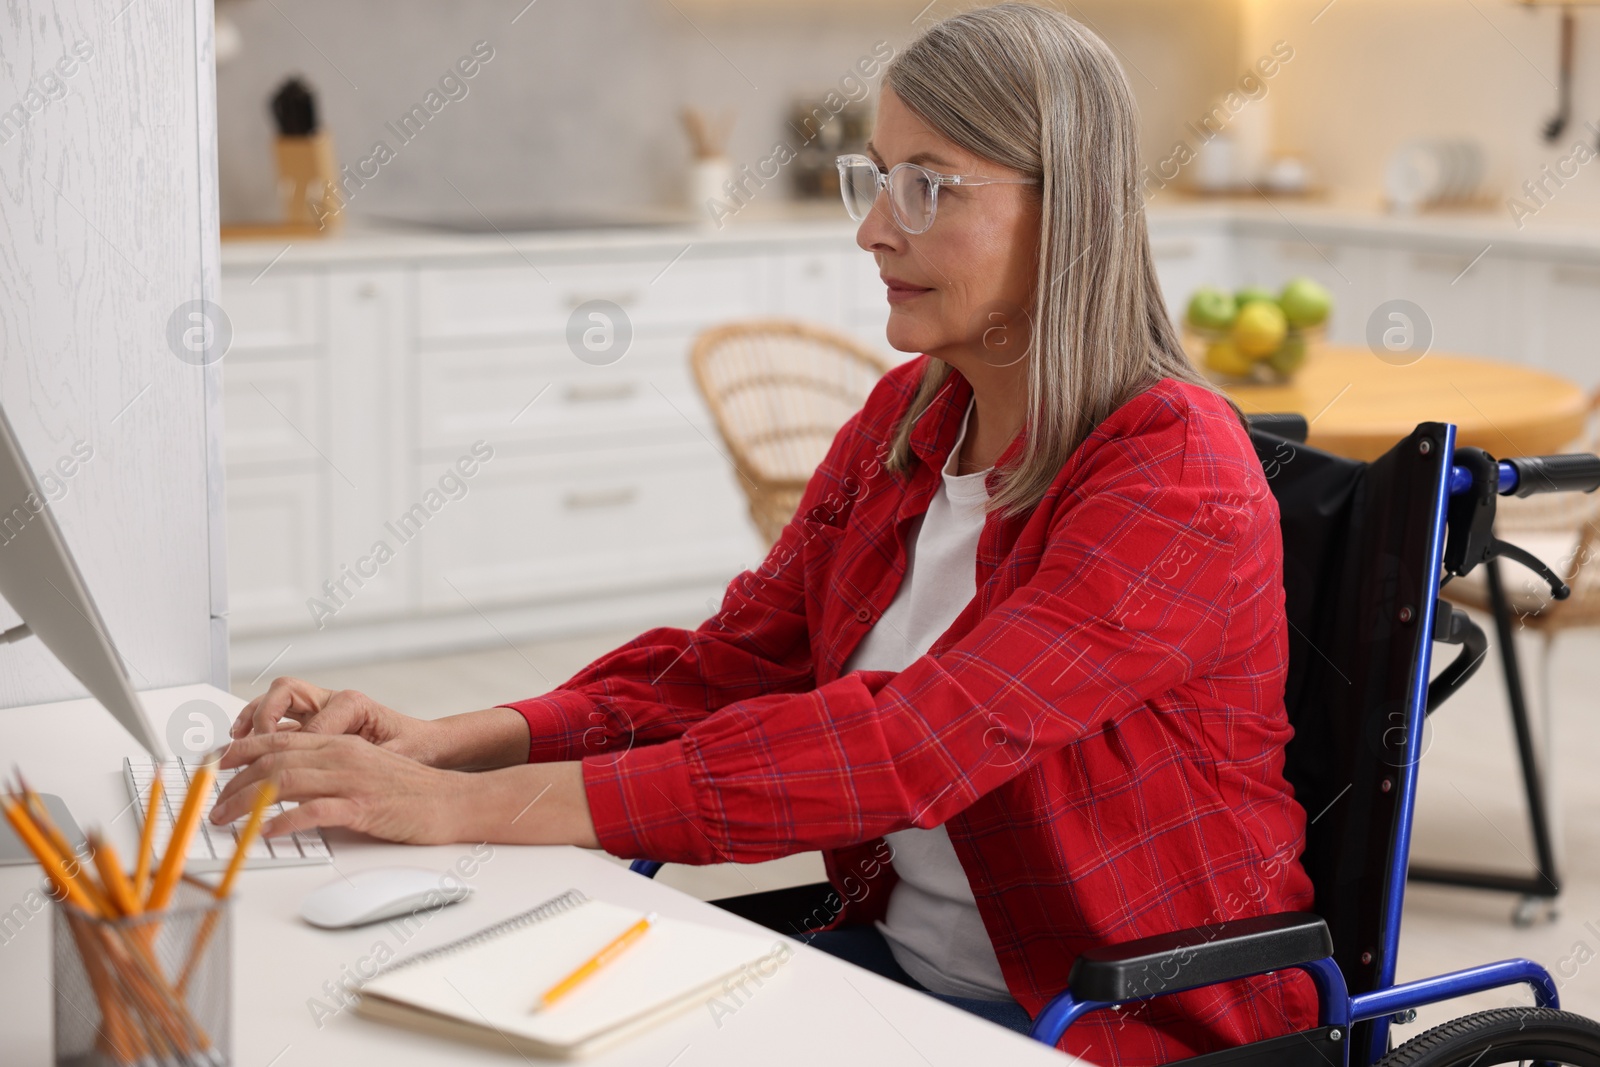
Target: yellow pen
(610, 952)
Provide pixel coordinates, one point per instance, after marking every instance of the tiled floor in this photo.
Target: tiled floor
(1469, 808)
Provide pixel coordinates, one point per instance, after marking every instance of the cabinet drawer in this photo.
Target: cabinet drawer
(277, 310)
(490, 393)
(274, 411)
(535, 527)
(864, 292)
(509, 301)
(276, 529)
(813, 285)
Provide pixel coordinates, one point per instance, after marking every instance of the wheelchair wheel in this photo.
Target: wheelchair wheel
(1504, 1035)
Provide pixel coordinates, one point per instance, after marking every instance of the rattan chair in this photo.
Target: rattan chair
(779, 390)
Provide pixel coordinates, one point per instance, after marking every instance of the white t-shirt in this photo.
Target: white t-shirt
(932, 923)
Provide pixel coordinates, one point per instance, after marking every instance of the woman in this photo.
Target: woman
(1017, 665)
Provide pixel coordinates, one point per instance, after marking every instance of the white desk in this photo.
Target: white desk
(816, 1009)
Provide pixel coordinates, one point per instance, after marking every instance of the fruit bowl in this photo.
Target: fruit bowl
(1299, 345)
(1256, 335)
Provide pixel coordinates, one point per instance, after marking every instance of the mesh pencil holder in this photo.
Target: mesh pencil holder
(152, 988)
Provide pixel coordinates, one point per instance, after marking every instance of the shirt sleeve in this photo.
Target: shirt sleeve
(659, 684)
(1132, 597)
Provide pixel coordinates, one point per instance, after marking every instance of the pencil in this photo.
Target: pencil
(171, 869)
(264, 798)
(118, 888)
(129, 980)
(147, 838)
(44, 853)
(610, 952)
(72, 865)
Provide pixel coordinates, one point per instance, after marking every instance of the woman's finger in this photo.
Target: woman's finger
(300, 775)
(247, 750)
(241, 724)
(284, 695)
(257, 758)
(325, 811)
(344, 712)
(256, 710)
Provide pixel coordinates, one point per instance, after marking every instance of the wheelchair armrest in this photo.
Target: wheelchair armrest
(1287, 425)
(1199, 956)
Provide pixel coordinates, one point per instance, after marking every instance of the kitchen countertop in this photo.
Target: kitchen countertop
(1546, 234)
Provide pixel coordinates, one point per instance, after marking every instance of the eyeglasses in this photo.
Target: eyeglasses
(913, 189)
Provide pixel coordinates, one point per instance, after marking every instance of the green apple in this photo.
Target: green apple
(1251, 294)
(1211, 309)
(1290, 356)
(1306, 303)
(1260, 328)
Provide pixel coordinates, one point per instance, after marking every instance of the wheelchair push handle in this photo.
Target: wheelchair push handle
(1576, 472)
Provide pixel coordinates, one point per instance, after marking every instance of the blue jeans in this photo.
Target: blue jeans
(865, 947)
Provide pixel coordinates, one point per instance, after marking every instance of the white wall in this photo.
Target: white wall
(579, 106)
(1370, 74)
(108, 222)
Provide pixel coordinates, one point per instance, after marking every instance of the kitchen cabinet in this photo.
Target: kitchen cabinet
(1187, 258)
(812, 284)
(370, 375)
(1560, 318)
(357, 388)
(606, 521)
(1464, 292)
(361, 376)
(277, 549)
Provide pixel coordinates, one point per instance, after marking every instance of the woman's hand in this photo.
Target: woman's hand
(476, 740)
(291, 704)
(342, 780)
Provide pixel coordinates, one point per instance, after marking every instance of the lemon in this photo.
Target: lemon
(1224, 357)
(1260, 329)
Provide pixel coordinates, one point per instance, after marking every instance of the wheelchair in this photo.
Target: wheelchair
(1367, 547)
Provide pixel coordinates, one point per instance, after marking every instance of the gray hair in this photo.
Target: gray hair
(1031, 89)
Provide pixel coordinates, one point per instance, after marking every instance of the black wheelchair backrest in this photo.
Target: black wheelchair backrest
(1362, 543)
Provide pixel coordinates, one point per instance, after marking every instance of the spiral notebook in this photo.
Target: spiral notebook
(482, 988)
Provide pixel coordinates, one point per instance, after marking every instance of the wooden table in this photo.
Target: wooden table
(1359, 405)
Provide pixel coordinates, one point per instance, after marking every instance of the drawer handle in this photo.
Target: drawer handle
(1587, 276)
(623, 299)
(609, 498)
(587, 394)
(1174, 250)
(1306, 250)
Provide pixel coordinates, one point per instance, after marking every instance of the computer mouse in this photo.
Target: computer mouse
(380, 893)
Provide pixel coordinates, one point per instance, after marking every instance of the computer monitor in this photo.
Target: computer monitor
(40, 581)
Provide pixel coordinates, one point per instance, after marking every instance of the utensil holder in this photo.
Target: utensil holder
(153, 988)
(308, 181)
(707, 180)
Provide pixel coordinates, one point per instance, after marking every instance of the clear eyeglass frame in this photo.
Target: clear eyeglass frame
(913, 189)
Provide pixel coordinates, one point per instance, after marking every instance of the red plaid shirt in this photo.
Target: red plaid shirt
(1101, 729)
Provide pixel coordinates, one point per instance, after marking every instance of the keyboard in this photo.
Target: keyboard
(212, 847)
